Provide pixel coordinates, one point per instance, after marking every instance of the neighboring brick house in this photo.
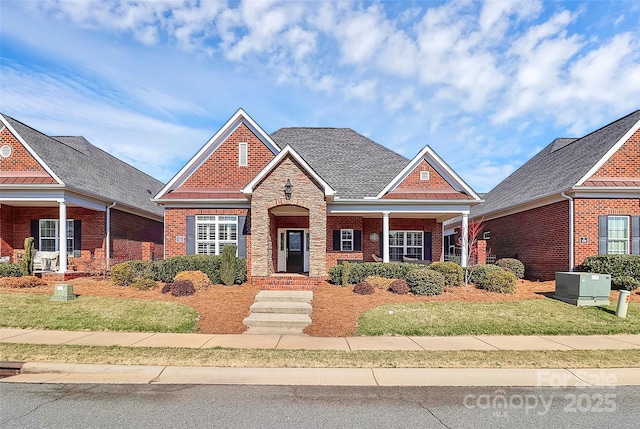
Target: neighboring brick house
(350, 198)
(577, 197)
(47, 181)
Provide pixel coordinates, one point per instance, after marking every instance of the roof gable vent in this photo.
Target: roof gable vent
(5, 151)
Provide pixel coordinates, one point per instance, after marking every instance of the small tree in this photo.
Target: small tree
(473, 235)
(228, 264)
(26, 265)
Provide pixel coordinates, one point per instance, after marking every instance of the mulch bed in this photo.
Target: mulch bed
(335, 309)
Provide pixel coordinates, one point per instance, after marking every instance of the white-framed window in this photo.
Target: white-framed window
(49, 239)
(242, 155)
(214, 231)
(405, 243)
(424, 175)
(618, 235)
(346, 240)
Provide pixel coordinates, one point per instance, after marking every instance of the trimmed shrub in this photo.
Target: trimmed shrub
(127, 273)
(198, 278)
(425, 282)
(346, 271)
(624, 282)
(10, 270)
(182, 288)
(364, 288)
(144, 284)
(21, 282)
(379, 282)
(359, 272)
(512, 265)
(26, 265)
(614, 265)
(166, 288)
(499, 281)
(480, 272)
(399, 287)
(209, 264)
(228, 264)
(452, 272)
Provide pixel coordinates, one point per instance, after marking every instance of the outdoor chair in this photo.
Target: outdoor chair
(376, 257)
(45, 261)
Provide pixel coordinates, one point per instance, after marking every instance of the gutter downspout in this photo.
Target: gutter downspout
(571, 241)
(108, 239)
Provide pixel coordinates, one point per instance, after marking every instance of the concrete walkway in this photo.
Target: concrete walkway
(304, 342)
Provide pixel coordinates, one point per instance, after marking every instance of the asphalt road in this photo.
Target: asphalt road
(211, 406)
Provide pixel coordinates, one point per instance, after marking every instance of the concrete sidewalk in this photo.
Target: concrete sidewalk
(124, 374)
(304, 342)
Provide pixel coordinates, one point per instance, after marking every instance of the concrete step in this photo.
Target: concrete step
(284, 296)
(258, 330)
(281, 307)
(270, 320)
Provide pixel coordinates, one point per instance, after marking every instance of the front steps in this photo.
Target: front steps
(287, 282)
(277, 312)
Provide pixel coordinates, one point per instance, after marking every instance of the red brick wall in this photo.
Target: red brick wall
(539, 237)
(436, 181)
(20, 159)
(6, 230)
(625, 162)
(137, 228)
(221, 169)
(176, 225)
(342, 222)
(586, 221)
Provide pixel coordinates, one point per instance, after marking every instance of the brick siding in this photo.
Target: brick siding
(20, 159)
(538, 237)
(221, 169)
(625, 162)
(436, 181)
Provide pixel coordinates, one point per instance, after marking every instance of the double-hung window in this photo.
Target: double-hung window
(617, 235)
(405, 243)
(346, 240)
(49, 235)
(213, 232)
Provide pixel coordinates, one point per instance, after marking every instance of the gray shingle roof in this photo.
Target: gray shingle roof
(556, 168)
(88, 169)
(353, 165)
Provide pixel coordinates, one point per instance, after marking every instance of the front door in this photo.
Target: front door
(295, 251)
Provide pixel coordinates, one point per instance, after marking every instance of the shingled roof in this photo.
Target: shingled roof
(88, 169)
(353, 165)
(556, 168)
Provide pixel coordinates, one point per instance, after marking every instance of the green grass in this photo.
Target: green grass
(526, 317)
(37, 311)
(243, 358)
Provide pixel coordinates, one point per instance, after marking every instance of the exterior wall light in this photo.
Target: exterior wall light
(288, 189)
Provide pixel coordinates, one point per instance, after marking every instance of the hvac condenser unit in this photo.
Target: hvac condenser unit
(583, 288)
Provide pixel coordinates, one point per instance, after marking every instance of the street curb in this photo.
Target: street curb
(38, 372)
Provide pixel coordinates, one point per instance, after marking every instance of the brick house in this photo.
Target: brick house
(577, 197)
(48, 181)
(300, 200)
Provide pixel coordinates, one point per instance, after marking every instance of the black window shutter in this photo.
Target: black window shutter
(602, 235)
(77, 235)
(35, 233)
(191, 235)
(336, 239)
(242, 237)
(427, 251)
(357, 240)
(635, 235)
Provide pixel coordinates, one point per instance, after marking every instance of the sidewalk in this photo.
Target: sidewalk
(124, 374)
(293, 342)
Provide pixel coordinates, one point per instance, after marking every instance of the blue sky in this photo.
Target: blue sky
(485, 84)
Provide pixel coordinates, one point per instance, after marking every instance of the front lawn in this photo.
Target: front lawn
(24, 310)
(525, 317)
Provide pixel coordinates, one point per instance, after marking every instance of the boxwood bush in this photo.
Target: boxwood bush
(208, 264)
(399, 287)
(10, 270)
(624, 282)
(480, 273)
(512, 265)
(614, 265)
(425, 282)
(452, 272)
(499, 281)
(357, 273)
(127, 273)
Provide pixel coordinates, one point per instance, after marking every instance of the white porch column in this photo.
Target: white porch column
(385, 236)
(465, 240)
(62, 238)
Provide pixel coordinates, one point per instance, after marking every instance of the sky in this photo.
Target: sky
(485, 84)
